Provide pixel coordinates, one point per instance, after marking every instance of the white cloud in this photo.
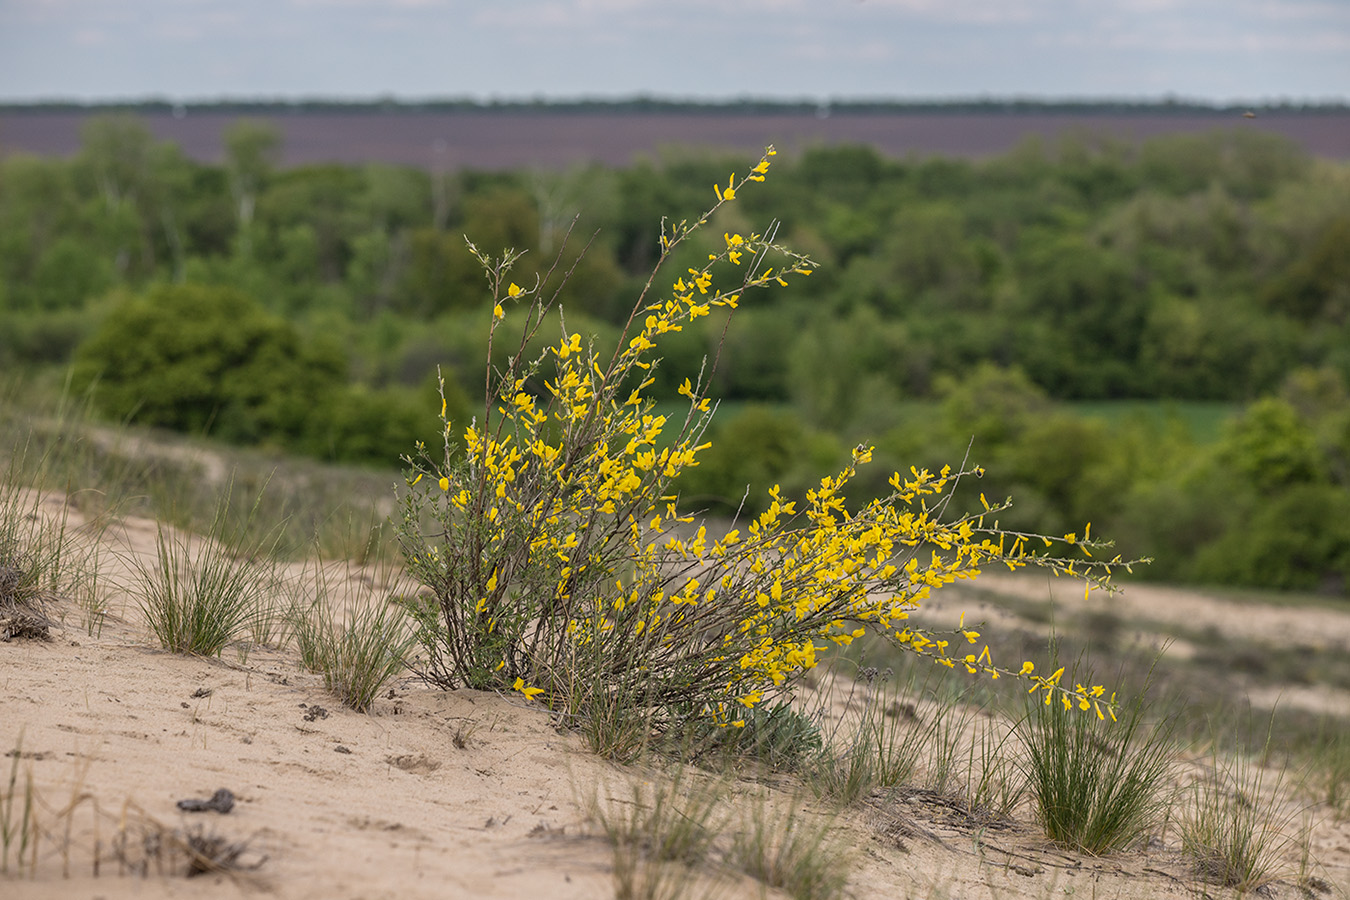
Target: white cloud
(1294, 11)
(178, 30)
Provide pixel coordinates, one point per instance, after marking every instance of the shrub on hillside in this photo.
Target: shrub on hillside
(206, 360)
(210, 360)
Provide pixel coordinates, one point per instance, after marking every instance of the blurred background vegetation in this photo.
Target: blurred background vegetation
(1152, 337)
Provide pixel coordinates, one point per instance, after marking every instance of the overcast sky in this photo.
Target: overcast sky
(1208, 50)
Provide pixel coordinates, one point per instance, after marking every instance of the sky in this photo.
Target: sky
(1215, 51)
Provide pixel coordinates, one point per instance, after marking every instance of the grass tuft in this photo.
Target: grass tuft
(665, 829)
(1097, 786)
(18, 818)
(200, 595)
(917, 734)
(670, 830)
(40, 562)
(776, 735)
(1330, 766)
(357, 643)
(783, 848)
(1231, 832)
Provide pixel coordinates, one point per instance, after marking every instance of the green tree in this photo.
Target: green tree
(1079, 318)
(1315, 287)
(1271, 447)
(322, 197)
(843, 370)
(138, 183)
(251, 151)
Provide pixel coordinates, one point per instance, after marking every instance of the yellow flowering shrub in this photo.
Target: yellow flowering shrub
(556, 561)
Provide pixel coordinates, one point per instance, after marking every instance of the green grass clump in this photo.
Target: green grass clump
(848, 775)
(776, 735)
(40, 560)
(673, 835)
(1329, 766)
(918, 734)
(1096, 786)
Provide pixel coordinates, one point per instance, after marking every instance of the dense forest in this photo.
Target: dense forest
(1066, 313)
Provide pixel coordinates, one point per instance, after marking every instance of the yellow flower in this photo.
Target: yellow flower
(730, 192)
(444, 483)
(529, 692)
(514, 290)
(569, 346)
(498, 312)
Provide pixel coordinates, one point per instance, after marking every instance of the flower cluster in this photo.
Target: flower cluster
(555, 553)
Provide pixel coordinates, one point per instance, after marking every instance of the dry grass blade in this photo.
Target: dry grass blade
(138, 844)
(18, 824)
(142, 846)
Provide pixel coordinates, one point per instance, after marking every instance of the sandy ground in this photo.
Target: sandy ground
(336, 804)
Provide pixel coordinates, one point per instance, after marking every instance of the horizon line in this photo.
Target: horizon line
(655, 101)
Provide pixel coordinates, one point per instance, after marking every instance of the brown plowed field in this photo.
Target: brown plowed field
(508, 140)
